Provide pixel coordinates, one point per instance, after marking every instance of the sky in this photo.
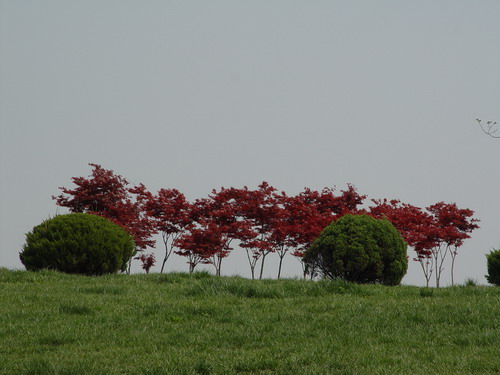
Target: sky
(196, 95)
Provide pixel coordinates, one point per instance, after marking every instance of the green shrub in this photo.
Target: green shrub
(361, 249)
(470, 282)
(493, 263)
(78, 243)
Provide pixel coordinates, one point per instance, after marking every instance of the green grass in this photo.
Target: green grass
(52, 323)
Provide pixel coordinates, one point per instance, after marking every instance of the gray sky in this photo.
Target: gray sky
(196, 95)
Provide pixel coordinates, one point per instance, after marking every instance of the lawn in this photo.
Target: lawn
(52, 323)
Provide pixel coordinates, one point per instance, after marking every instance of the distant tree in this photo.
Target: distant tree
(414, 225)
(433, 233)
(222, 210)
(106, 194)
(286, 225)
(309, 224)
(199, 244)
(147, 260)
(259, 209)
(100, 192)
(453, 227)
(493, 265)
(170, 214)
(489, 128)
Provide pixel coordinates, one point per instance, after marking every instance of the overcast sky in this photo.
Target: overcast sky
(196, 95)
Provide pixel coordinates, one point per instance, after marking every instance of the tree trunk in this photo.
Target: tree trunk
(452, 269)
(129, 266)
(192, 264)
(252, 263)
(218, 265)
(279, 267)
(165, 238)
(163, 264)
(264, 254)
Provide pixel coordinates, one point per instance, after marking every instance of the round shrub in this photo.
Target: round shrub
(361, 249)
(493, 264)
(78, 243)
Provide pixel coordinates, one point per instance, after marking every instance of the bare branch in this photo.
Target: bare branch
(489, 128)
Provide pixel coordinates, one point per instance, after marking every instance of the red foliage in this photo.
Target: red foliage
(106, 194)
(295, 224)
(432, 233)
(200, 244)
(217, 219)
(262, 220)
(170, 214)
(147, 260)
(316, 210)
(411, 221)
(259, 209)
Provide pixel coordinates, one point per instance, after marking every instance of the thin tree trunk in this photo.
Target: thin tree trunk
(192, 263)
(219, 256)
(264, 254)
(304, 273)
(217, 262)
(167, 254)
(253, 262)
(453, 255)
(168, 249)
(440, 269)
(129, 265)
(281, 253)
(427, 272)
(279, 267)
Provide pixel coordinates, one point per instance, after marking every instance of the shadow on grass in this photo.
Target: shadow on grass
(75, 310)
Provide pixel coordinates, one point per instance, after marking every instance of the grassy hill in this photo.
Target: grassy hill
(52, 323)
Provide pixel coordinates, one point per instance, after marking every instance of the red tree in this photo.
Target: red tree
(432, 234)
(259, 209)
(147, 261)
(170, 214)
(416, 227)
(217, 220)
(453, 226)
(199, 244)
(222, 209)
(100, 192)
(105, 194)
(292, 222)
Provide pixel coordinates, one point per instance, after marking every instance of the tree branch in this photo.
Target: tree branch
(489, 129)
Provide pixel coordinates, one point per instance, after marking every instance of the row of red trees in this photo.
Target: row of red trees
(262, 221)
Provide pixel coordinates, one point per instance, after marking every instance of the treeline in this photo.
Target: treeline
(260, 221)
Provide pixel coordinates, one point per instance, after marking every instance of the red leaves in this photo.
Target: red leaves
(261, 221)
(169, 210)
(200, 244)
(431, 233)
(442, 223)
(147, 261)
(454, 223)
(106, 194)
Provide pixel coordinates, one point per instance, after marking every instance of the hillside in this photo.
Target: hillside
(53, 323)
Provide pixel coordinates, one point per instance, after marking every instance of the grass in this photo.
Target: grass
(52, 323)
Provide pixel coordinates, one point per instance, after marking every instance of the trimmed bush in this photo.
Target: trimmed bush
(493, 264)
(361, 249)
(78, 243)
